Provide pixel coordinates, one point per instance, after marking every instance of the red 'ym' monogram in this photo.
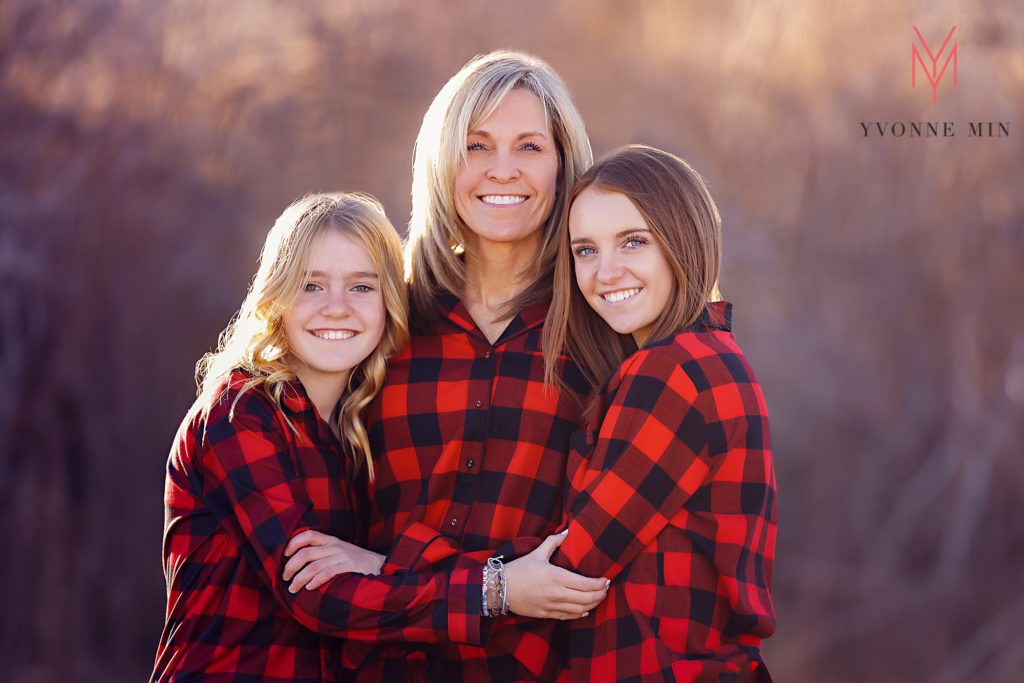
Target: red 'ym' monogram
(933, 74)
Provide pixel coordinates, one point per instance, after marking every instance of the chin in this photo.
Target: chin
(621, 329)
(506, 233)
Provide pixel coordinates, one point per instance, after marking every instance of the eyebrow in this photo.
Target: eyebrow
(529, 134)
(356, 274)
(623, 233)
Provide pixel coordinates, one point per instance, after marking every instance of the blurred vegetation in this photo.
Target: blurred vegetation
(146, 147)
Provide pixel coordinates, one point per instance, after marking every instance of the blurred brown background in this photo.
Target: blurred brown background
(146, 147)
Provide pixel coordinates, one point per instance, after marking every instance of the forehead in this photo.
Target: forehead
(520, 109)
(333, 251)
(599, 213)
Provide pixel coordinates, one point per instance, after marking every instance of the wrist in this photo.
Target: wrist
(494, 588)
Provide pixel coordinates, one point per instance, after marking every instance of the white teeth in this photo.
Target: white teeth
(620, 295)
(332, 335)
(503, 199)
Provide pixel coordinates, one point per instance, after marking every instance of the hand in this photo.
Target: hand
(316, 557)
(537, 588)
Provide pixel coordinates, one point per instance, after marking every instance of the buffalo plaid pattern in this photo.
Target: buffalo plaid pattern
(238, 487)
(672, 495)
(471, 450)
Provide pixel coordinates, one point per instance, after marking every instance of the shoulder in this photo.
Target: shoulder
(710, 357)
(658, 364)
(691, 362)
(236, 405)
(651, 381)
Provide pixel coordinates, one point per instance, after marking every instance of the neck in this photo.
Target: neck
(494, 270)
(324, 390)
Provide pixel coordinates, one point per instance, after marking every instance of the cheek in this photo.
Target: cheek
(664, 282)
(463, 194)
(374, 316)
(464, 180)
(550, 180)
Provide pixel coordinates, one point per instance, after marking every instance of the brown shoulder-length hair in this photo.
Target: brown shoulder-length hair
(255, 340)
(433, 262)
(684, 221)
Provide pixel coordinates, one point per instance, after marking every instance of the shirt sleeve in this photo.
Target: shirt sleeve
(421, 548)
(646, 462)
(251, 485)
(645, 468)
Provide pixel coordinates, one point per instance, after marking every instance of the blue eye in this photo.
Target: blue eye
(362, 289)
(311, 287)
(635, 241)
(475, 147)
(584, 250)
(532, 147)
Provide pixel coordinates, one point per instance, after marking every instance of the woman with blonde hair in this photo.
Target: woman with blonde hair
(470, 440)
(671, 488)
(276, 444)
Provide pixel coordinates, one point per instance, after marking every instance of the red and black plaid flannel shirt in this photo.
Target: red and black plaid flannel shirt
(238, 488)
(672, 496)
(471, 449)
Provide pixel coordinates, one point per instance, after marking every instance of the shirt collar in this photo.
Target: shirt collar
(717, 315)
(295, 400)
(454, 311)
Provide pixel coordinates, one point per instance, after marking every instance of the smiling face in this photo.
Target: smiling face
(338, 318)
(620, 268)
(505, 190)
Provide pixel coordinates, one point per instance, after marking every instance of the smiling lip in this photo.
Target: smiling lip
(621, 294)
(333, 335)
(502, 200)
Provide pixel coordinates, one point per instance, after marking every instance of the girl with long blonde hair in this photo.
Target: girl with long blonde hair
(275, 445)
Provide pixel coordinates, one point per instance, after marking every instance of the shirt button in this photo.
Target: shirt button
(487, 355)
(479, 403)
(470, 463)
(454, 521)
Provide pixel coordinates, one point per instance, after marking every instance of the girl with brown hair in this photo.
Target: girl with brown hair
(671, 489)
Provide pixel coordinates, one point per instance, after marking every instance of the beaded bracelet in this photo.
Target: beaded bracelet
(483, 592)
(494, 591)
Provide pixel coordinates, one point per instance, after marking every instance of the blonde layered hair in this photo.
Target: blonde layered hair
(436, 230)
(255, 340)
(678, 208)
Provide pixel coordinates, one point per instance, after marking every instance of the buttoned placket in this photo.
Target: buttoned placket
(475, 437)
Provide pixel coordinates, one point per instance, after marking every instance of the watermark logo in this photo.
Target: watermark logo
(932, 70)
(935, 65)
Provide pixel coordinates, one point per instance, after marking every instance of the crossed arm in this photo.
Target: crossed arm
(254, 491)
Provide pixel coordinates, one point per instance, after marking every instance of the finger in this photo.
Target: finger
(568, 596)
(318, 580)
(304, 557)
(326, 575)
(570, 610)
(590, 606)
(569, 579)
(295, 563)
(552, 542)
(564, 614)
(306, 575)
(305, 538)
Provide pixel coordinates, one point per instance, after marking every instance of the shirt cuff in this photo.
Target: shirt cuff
(465, 601)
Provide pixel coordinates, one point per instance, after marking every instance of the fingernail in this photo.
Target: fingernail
(585, 614)
(563, 533)
(607, 582)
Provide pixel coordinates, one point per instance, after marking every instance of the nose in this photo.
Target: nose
(337, 304)
(609, 269)
(503, 168)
